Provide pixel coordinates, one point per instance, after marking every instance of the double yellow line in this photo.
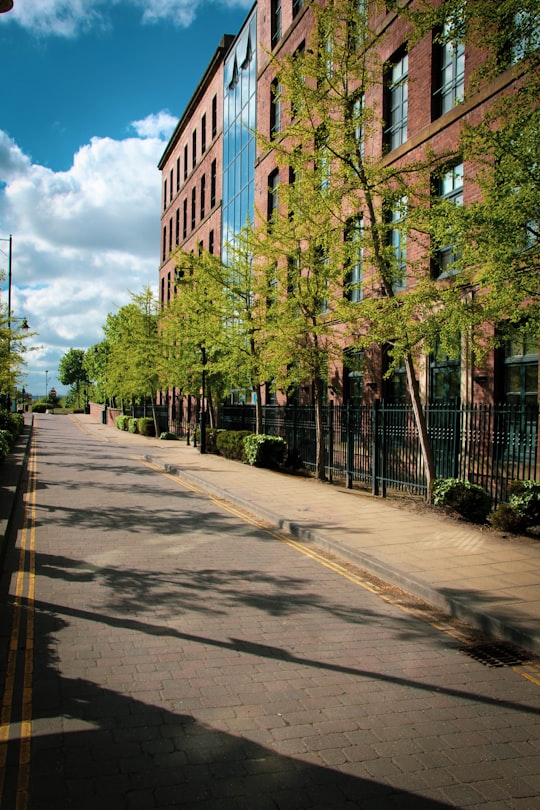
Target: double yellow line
(21, 638)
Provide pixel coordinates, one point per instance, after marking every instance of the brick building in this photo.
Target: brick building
(420, 97)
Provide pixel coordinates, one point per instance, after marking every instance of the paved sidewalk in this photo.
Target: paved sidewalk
(480, 576)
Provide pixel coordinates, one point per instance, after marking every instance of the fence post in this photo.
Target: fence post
(330, 412)
(375, 449)
(349, 447)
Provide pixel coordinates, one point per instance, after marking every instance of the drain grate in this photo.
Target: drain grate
(497, 654)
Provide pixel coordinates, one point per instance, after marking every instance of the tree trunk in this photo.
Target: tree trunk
(319, 433)
(258, 409)
(154, 416)
(421, 424)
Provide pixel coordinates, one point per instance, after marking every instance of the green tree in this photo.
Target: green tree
(134, 351)
(71, 371)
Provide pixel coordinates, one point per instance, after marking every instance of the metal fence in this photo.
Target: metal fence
(379, 446)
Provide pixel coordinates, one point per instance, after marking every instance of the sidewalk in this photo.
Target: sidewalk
(480, 576)
(477, 575)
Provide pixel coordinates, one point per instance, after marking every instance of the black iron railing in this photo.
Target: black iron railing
(379, 446)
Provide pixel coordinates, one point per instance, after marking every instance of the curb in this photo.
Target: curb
(416, 587)
(12, 472)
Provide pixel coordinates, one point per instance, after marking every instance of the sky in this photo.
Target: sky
(90, 94)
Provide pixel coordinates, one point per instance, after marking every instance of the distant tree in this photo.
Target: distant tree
(134, 357)
(71, 371)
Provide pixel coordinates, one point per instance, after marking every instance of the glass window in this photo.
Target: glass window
(521, 370)
(203, 133)
(396, 102)
(445, 378)
(194, 148)
(355, 259)
(398, 240)
(449, 61)
(186, 169)
(214, 117)
(273, 201)
(450, 188)
(203, 196)
(275, 108)
(297, 7)
(275, 21)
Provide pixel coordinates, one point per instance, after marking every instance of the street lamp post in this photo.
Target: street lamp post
(46, 385)
(202, 412)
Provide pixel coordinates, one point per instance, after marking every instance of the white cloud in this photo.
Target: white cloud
(83, 239)
(69, 18)
(156, 126)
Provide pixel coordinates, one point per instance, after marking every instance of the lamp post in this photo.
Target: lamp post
(46, 385)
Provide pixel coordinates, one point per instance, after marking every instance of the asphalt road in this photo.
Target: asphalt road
(161, 650)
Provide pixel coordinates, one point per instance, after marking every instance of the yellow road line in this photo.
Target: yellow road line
(24, 590)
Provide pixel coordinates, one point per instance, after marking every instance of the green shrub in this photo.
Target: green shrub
(132, 424)
(145, 426)
(261, 450)
(39, 407)
(6, 440)
(468, 500)
(522, 510)
(168, 436)
(230, 443)
(122, 421)
(12, 422)
(211, 439)
(525, 499)
(506, 519)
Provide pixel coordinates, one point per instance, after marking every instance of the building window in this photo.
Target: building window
(321, 262)
(203, 134)
(275, 108)
(214, 117)
(171, 190)
(170, 235)
(449, 63)
(186, 168)
(521, 370)
(164, 195)
(164, 249)
(396, 102)
(353, 378)
(354, 259)
(449, 188)
(184, 220)
(177, 226)
(322, 157)
(524, 35)
(398, 241)
(273, 201)
(177, 174)
(445, 377)
(275, 21)
(297, 98)
(297, 6)
(203, 196)
(194, 149)
(211, 245)
(193, 207)
(395, 385)
(213, 181)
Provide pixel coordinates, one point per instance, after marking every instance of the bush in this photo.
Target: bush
(468, 500)
(122, 421)
(168, 436)
(211, 439)
(132, 424)
(525, 499)
(506, 519)
(230, 443)
(145, 426)
(6, 440)
(39, 407)
(12, 422)
(261, 450)
(522, 510)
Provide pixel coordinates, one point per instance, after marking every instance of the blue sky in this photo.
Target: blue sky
(90, 95)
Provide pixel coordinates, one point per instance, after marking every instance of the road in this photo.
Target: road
(160, 649)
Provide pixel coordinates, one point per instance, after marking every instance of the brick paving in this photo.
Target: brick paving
(185, 658)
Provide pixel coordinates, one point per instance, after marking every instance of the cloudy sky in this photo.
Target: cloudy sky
(90, 94)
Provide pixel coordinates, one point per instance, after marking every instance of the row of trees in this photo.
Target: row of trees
(327, 270)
